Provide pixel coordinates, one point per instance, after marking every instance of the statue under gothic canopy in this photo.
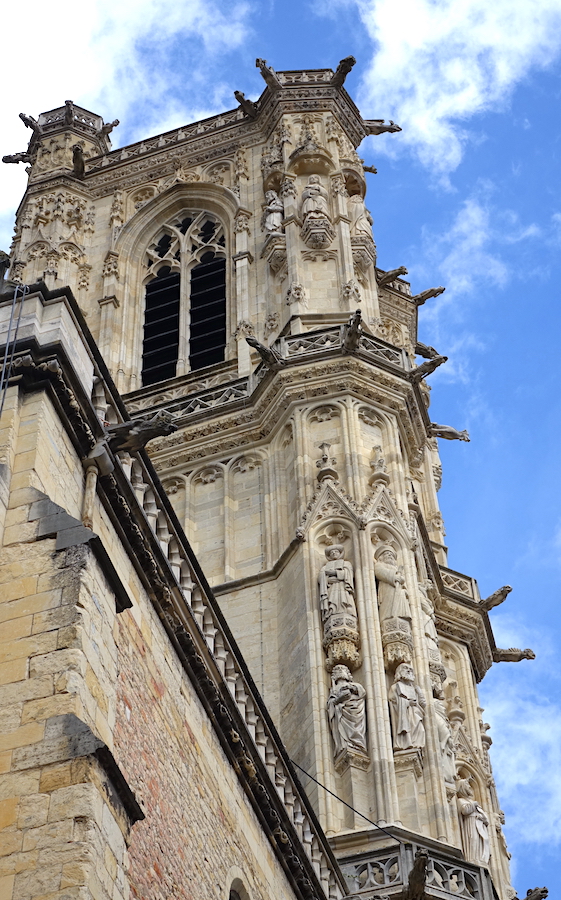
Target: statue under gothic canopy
(271, 219)
(407, 710)
(346, 711)
(336, 584)
(315, 199)
(474, 824)
(361, 219)
(392, 596)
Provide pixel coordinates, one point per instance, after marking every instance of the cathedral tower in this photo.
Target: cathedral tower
(228, 273)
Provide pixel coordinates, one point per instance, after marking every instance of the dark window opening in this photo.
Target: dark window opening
(208, 312)
(207, 231)
(184, 225)
(161, 327)
(163, 245)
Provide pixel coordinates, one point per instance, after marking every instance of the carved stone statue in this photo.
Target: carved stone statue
(108, 127)
(78, 165)
(336, 584)
(429, 627)
(417, 880)
(342, 71)
(68, 112)
(361, 219)
(496, 598)
(447, 432)
(272, 217)
(134, 435)
(269, 355)
(379, 126)
(346, 711)
(249, 107)
(513, 654)
(315, 200)
(392, 597)
(421, 298)
(426, 351)
(17, 158)
(268, 74)
(388, 277)
(474, 825)
(407, 710)
(32, 123)
(420, 372)
(353, 332)
(445, 736)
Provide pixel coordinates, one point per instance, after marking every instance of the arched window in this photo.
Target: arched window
(185, 297)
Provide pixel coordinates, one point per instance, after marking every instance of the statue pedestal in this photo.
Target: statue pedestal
(351, 766)
(408, 771)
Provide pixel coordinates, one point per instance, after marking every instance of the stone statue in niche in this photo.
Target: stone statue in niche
(271, 220)
(395, 612)
(336, 584)
(346, 711)
(474, 825)
(445, 736)
(392, 596)
(407, 710)
(361, 219)
(341, 640)
(315, 200)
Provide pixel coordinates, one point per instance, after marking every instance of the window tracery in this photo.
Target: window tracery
(185, 297)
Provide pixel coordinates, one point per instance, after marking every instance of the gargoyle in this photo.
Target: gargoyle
(342, 71)
(513, 654)
(78, 165)
(270, 357)
(268, 74)
(388, 277)
(418, 876)
(536, 893)
(426, 368)
(108, 127)
(249, 107)
(17, 158)
(421, 298)
(32, 123)
(496, 598)
(425, 351)
(68, 112)
(353, 331)
(372, 169)
(379, 126)
(447, 432)
(134, 435)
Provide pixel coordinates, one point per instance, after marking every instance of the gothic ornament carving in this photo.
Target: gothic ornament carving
(296, 294)
(407, 710)
(346, 712)
(378, 468)
(274, 251)
(350, 294)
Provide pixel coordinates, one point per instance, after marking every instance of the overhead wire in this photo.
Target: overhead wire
(10, 348)
(348, 805)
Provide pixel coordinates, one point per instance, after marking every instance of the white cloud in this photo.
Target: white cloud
(150, 63)
(436, 64)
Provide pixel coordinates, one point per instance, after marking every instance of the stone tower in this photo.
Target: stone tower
(227, 271)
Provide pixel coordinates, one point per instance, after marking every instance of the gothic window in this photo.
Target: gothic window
(185, 297)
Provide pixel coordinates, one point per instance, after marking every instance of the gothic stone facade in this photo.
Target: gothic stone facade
(226, 272)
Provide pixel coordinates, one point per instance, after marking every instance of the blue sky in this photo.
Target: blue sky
(467, 196)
